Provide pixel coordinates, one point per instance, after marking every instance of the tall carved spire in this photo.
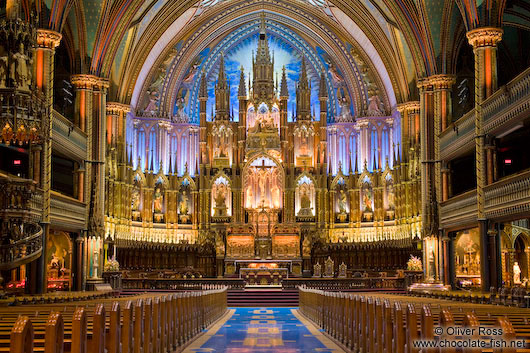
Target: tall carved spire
(222, 93)
(284, 91)
(263, 69)
(303, 95)
(242, 91)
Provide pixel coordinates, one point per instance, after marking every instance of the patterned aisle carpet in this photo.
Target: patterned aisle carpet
(263, 330)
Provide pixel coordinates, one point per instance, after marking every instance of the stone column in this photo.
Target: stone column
(445, 183)
(484, 41)
(47, 41)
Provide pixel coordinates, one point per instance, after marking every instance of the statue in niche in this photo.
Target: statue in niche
(183, 205)
(158, 201)
(135, 199)
(367, 199)
(342, 270)
(19, 70)
(375, 106)
(220, 203)
(306, 246)
(95, 263)
(516, 273)
(305, 202)
(344, 104)
(3, 67)
(250, 197)
(342, 202)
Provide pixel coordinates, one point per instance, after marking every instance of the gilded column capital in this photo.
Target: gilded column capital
(442, 81)
(116, 108)
(84, 81)
(102, 84)
(410, 107)
(484, 37)
(47, 38)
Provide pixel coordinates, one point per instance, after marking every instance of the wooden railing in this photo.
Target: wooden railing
(345, 284)
(154, 323)
(20, 236)
(509, 195)
(180, 283)
(377, 323)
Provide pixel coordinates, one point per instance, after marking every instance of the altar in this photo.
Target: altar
(263, 274)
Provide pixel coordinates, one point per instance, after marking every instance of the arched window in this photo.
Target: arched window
(385, 146)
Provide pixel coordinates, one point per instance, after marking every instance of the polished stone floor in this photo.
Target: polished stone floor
(263, 330)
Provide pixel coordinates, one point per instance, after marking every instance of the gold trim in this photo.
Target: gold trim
(48, 39)
(484, 37)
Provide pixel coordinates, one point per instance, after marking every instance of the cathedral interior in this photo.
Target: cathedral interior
(296, 146)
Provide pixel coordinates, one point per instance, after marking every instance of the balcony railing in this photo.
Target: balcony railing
(459, 210)
(508, 103)
(68, 139)
(458, 136)
(508, 196)
(505, 108)
(67, 211)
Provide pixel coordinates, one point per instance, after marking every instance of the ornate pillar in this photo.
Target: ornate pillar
(427, 158)
(47, 41)
(484, 41)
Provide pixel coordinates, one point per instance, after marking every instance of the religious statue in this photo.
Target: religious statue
(3, 67)
(190, 77)
(374, 106)
(158, 201)
(250, 197)
(342, 202)
(152, 106)
(306, 246)
(19, 69)
(391, 198)
(516, 273)
(304, 150)
(135, 199)
(336, 78)
(305, 203)
(367, 200)
(183, 205)
(95, 263)
(220, 203)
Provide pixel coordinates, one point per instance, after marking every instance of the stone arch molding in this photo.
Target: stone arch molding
(176, 31)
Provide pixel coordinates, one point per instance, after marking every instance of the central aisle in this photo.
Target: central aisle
(262, 330)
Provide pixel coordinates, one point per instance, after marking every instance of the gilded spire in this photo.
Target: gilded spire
(263, 69)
